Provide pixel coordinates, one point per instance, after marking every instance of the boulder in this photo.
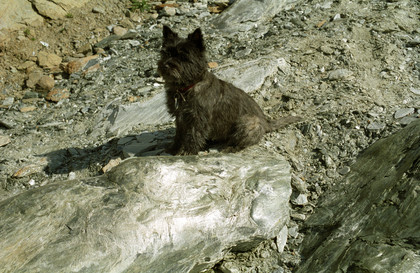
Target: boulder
(370, 221)
(244, 15)
(251, 75)
(18, 13)
(150, 214)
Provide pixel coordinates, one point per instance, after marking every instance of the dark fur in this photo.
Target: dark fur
(205, 107)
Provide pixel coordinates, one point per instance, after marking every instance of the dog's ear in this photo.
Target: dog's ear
(197, 39)
(168, 35)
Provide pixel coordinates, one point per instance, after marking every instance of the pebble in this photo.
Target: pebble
(8, 101)
(326, 49)
(33, 78)
(376, 126)
(344, 170)
(120, 31)
(72, 176)
(298, 184)
(46, 83)
(298, 216)
(81, 64)
(48, 60)
(100, 10)
(415, 90)
(400, 113)
(293, 232)
(168, 11)
(340, 74)
(281, 239)
(111, 164)
(31, 168)
(407, 120)
(27, 109)
(4, 140)
(301, 200)
(57, 94)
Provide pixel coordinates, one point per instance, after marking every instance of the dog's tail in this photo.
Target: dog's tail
(283, 122)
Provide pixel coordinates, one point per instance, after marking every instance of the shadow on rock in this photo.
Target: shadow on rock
(94, 159)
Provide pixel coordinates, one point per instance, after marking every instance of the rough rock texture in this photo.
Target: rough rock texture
(371, 222)
(152, 214)
(17, 13)
(247, 14)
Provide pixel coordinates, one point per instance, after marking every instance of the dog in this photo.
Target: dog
(207, 109)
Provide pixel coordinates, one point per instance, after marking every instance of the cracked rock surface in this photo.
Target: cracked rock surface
(80, 94)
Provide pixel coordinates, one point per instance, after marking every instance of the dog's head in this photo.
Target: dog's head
(182, 60)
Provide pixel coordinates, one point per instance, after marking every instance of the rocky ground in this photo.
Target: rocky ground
(352, 73)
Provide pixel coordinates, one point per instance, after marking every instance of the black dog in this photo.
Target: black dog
(205, 107)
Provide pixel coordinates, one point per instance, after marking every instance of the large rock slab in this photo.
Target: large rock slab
(151, 214)
(18, 13)
(371, 221)
(244, 15)
(251, 75)
(116, 119)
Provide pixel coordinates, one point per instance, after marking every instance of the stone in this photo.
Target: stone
(8, 101)
(376, 126)
(84, 48)
(116, 119)
(4, 140)
(98, 9)
(18, 13)
(106, 42)
(351, 228)
(281, 239)
(29, 169)
(26, 109)
(111, 164)
(400, 113)
(155, 214)
(168, 11)
(244, 15)
(340, 74)
(46, 83)
(301, 200)
(57, 94)
(48, 60)
(56, 9)
(81, 64)
(415, 90)
(251, 75)
(120, 31)
(33, 78)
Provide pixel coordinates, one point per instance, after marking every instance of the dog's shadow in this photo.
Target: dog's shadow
(93, 159)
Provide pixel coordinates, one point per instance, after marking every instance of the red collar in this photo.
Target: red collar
(187, 88)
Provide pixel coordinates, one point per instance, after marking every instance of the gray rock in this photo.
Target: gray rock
(116, 119)
(98, 9)
(251, 75)
(370, 221)
(415, 90)
(106, 42)
(281, 239)
(376, 126)
(400, 113)
(155, 214)
(340, 74)
(407, 120)
(244, 15)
